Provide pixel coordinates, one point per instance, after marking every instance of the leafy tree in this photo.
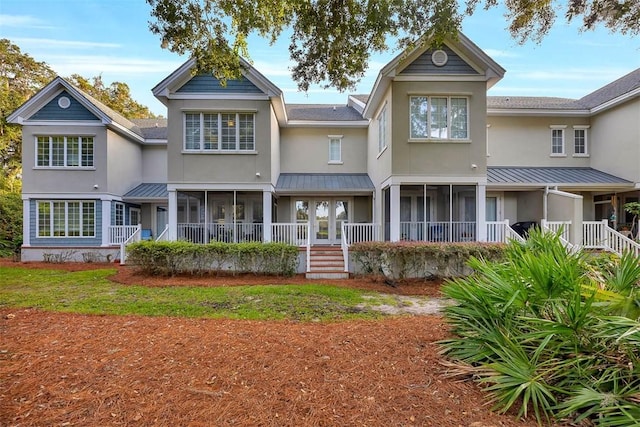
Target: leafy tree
(20, 77)
(332, 40)
(116, 96)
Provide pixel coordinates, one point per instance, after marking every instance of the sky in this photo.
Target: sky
(111, 38)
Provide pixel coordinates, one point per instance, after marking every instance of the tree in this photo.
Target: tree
(116, 96)
(20, 77)
(332, 40)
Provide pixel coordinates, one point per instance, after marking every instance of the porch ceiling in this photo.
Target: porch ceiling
(147, 192)
(582, 177)
(289, 183)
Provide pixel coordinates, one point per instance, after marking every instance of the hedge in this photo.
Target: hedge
(171, 258)
(401, 260)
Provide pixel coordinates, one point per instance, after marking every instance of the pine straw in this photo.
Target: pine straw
(75, 370)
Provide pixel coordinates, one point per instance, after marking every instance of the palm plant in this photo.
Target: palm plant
(546, 329)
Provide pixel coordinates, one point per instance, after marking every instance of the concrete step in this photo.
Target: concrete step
(327, 275)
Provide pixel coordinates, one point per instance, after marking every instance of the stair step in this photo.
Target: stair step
(327, 275)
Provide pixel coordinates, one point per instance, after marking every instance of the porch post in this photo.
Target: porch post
(26, 221)
(106, 221)
(394, 223)
(266, 216)
(481, 219)
(173, 215)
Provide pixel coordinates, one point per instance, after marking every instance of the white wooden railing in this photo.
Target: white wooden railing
(355, 233)
(135, 237)
(220, 232)
(438, 231)
(598, 235)
(164, 235)
(292, 233)
(562, 229)
(501, 232)
(119, 234)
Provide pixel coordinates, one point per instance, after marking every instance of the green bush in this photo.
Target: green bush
(10, 223)
(171, 258)
(552, 332)
(400, 260)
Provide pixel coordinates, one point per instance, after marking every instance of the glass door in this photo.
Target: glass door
(321, 222)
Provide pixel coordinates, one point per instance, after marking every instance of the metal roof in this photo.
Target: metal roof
(551, 176)
(324, 182)
(148, 191)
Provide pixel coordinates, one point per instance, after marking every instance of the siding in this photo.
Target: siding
(209, 84)
(454, 65)
(52, 111)
(71, 242)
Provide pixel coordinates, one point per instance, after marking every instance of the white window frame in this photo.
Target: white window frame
(240, 117)
(52, 219)
(561, 130)
(382, 129)
(83, 141)
(118, 217)
(335, 139)
(430, 119)
(132, 210)
(582, 128)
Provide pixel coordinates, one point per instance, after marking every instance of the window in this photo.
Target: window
(207, 132)
(66, 218)
(118, 215)
(134, 216)
(64, 151)
(557, 140)
(382, 130)
(335, 148)
(580, 141)
(438, 117)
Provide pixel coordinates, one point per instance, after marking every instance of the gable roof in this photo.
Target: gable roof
(106, 115)
(618, 91)
(481, 64)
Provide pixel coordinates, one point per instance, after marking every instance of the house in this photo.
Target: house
(425, 156)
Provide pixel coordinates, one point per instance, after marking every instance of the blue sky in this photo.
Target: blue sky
(111, 38)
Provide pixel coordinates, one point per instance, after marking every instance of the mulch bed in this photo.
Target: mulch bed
(74, 370)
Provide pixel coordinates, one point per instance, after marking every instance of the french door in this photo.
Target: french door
(326, 216)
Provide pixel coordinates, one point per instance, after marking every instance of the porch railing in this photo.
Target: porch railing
(355, 233)
(119, 234)
(164, 235)
(562, 227)
(501, 232)
(438, 231)
(220, 232)
(292, 233)
(598, 235)
(135, 237)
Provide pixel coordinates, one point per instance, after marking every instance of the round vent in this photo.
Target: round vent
(439, 58)
(64, 102)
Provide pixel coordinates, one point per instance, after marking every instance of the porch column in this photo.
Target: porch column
(106, 221)
(26, 232)
(394, 221)
(481, 215)
(266, 216)
(172, 206)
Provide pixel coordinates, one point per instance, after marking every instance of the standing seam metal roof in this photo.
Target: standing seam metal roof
(324, 182)
(550, 175)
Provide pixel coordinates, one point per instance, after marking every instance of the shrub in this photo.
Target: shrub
(550, 332)
(399, 260)
(171, 258)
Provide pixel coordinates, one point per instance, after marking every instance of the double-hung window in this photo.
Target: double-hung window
(66, 218)
(335, 148)
(382, 130)
(439, 117)
(557, 140)
(580, 148)
(64, 151)
(218, 132)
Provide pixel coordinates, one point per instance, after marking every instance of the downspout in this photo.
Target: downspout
(545, 207)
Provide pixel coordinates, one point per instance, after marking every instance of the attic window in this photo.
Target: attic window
(64, 102)
(439, 58)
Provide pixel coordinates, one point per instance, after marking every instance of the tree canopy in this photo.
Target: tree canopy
(332, 40)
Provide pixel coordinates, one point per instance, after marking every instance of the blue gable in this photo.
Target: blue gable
(53, 110)
(423, 64)
(205, 83)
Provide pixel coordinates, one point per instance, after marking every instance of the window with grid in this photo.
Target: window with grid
(62, 218)
(118, 217)
(211, 132)
(438, 117)
(557, 141)
(382, 129)
(335, 149)
(580, 141)
(64, 151)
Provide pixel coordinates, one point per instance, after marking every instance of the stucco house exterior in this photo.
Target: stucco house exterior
(425, 156)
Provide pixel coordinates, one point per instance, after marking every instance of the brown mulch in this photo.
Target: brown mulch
(75, 370)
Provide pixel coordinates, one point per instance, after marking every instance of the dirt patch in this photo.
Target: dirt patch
(76, 370)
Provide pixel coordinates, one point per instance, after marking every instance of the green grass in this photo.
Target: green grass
(90, 292)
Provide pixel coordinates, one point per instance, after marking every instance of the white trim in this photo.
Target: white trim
(26, 223)
(583, 128)
(196, 186)
(92, 123)
(328, 123)
(219, 143)
(537, 112)
(437, 179)
(615, 101)
(563, 148)
(81, 217)
(225, 110)
(219, 96)
(429, 118)
(337, 138)
(441, 78)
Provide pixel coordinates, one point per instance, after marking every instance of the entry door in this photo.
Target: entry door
(326, 217)
(162, 219)
(322, 221)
